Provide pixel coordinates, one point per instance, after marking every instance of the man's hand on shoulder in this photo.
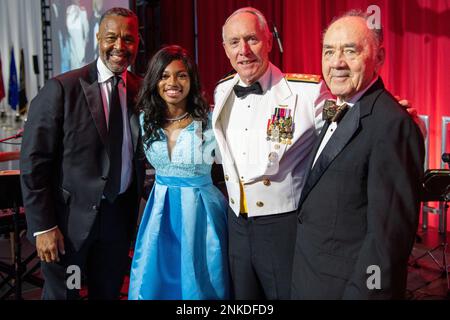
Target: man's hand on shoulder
(49, 245)
(414, 115)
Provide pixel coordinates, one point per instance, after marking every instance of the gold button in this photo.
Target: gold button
(266, 182)
(227, 177)
(232, 201)
(277, 147)
(260, 204)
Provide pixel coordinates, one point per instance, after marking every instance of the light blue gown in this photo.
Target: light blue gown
(181, 247)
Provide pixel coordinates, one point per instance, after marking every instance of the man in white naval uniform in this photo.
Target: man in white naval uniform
(265, 124)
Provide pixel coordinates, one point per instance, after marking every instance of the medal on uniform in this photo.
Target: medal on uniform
(280, 127)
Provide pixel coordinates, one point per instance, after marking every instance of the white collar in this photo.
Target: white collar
(264, 80)
(104, 74)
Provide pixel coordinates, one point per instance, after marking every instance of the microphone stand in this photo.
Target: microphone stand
(436, 187)
(277, 36)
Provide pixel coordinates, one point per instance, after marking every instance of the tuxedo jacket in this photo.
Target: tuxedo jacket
(359, 209)
(64, 162)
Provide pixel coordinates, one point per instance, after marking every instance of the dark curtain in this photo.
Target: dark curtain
(177, 23)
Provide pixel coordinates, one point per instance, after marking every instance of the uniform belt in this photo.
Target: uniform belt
(243, 214)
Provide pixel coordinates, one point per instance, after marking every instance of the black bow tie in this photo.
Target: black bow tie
(332, 112)
(242, 92)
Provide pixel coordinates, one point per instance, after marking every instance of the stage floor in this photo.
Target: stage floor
(425, 282)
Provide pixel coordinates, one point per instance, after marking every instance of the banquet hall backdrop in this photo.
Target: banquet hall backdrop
(417, 41)
(416, 33)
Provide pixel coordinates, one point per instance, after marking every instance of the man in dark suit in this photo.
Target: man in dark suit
(359, 208)
(81, 167)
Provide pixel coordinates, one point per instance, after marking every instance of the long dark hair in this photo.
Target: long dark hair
(151, 103)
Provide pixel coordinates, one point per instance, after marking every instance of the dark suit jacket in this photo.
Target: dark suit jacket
(64, 160)
(360, 204)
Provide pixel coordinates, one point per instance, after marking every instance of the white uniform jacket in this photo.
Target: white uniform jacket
(273, 183)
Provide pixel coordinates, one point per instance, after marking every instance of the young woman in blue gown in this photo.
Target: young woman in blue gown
(181, 247)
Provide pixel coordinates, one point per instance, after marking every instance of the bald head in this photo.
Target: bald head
(247, 43)
(351, 56)
(258, 14)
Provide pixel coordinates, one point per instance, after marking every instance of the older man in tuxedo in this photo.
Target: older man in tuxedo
(359, 208)
(81, 167)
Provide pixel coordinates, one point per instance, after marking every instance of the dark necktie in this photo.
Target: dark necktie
(114, 143)
(242, 92)
(332, 112)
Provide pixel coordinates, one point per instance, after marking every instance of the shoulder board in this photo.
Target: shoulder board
(227, 77)
(300, 77)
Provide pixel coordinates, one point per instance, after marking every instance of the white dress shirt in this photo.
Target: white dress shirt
(105, 82)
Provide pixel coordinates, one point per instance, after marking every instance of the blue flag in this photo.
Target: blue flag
(13, 92)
